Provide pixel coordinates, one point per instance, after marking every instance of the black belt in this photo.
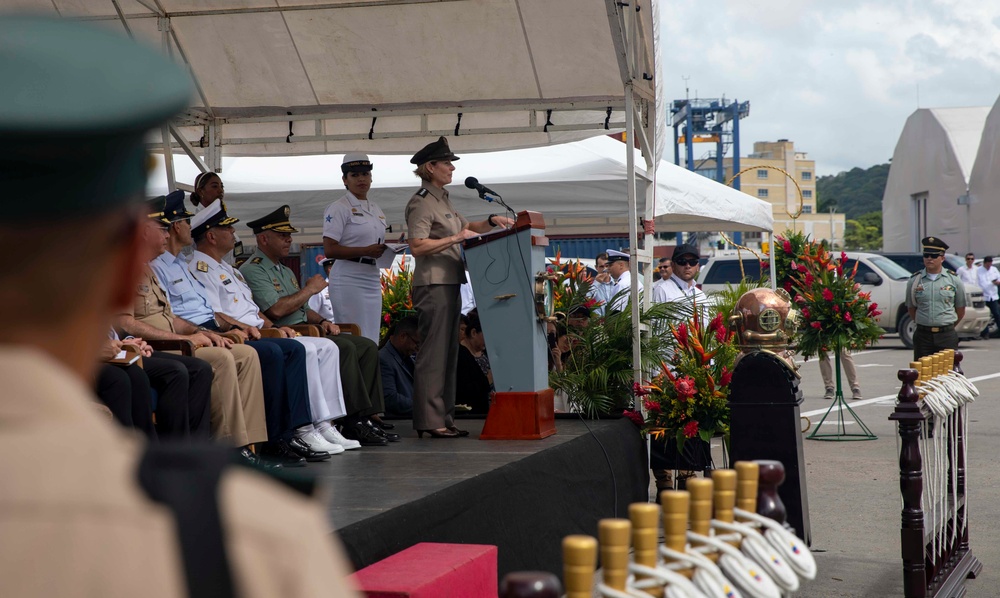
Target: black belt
(947, 328)
(362, 260)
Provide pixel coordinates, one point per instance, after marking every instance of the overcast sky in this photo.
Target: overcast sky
(837, 77)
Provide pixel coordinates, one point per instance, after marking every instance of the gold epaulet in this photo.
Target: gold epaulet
(256, 260)
(202, 266)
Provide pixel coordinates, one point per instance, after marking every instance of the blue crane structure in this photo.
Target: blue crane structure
(708, 121)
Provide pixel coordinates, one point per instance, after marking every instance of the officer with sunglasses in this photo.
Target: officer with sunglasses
(680, 286)
(935, 299)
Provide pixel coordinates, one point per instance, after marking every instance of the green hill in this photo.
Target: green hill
(855, 192)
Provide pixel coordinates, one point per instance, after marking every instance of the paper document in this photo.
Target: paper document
(389, 256)
(397, 247)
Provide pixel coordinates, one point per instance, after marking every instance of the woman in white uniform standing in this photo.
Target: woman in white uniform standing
(354, 235)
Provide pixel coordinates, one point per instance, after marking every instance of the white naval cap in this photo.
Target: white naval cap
(617, 256)
(356, 162)
(214, 214)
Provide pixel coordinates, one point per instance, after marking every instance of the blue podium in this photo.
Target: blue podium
(513, 295)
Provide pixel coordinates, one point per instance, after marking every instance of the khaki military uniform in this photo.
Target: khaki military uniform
(237, 406)
(935, 301)
(437, 283)
(75, 522)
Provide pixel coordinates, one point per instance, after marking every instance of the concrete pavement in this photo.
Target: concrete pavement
(853, 487)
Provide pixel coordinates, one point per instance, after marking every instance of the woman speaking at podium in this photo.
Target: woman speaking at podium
(436, 232)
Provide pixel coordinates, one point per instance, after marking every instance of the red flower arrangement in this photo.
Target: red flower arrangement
(689, 398)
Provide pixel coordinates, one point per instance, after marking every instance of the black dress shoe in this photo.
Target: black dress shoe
(302, 449)
(280, 452)
(378, 421)
(253, 460)
(363, 433)
(462, 433)
(381, 432)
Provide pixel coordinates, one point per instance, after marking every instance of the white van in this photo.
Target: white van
(879, 275)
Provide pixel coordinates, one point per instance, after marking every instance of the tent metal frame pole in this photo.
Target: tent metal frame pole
(269, 9)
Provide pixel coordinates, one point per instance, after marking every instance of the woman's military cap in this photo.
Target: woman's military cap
(356, 163)
(433, 152)
(75, 102)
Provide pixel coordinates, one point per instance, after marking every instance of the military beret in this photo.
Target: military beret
(277, 221)
(356, 163)
(433, 152)
(75, 103)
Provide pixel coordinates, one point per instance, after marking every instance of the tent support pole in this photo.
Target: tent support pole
(770, 247)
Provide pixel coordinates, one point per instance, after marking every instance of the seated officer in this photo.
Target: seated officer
(396, 357)
(75, 500)
(237, 405)
(276, 291)
(232, 301)
(282, 361)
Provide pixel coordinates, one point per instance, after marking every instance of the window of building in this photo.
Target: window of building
(762, 173)
(807, 209)
(807, 176)
(761, 192)
(807, 193)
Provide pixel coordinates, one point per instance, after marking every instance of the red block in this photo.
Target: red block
(430, 570)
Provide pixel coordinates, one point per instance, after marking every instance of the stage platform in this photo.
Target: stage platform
(522, 496)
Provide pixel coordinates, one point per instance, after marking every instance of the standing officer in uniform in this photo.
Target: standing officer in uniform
(436, 233)
(276, 291)
(354, 235)
(619, 280)
(935, 299)
(76, 149)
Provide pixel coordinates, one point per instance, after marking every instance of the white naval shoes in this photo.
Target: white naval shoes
(332, 435)
(318, 443)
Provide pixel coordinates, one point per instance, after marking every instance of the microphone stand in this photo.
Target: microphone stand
(495, 197)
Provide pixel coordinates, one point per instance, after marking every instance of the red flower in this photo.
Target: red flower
(726, 377)
(840, 271)
(386, 319)
(651, 405)
(788, 286)
(800, 299)
(816, 325)
(793, 266)
(836, 309)
(721, 335)
(847, 316)
(787, 247)
(872, 307)
(843, 257)
(809, 279)
(685, 388)
(634, 416)
(716, 323)
(639, 390)
(691, 428)
(827, 295)
(805, 312)
(681, 335)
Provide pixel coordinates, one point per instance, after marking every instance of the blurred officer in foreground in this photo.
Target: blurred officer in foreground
(91, 511)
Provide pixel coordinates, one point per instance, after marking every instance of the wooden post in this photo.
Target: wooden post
(911, 484)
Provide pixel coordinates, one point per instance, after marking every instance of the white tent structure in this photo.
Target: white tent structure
(928, 189)
(573, 180)
(304, 77)
(984, 189)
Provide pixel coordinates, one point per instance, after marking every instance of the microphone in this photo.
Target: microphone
(473, 183)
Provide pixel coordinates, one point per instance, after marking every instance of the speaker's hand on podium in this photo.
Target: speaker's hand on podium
(375, 250)
(464, 235)
(503, 221)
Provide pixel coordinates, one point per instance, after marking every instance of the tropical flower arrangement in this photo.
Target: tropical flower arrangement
(571, 286)
(689, 397)
(397, 301)
(787, 250)
(837, 314)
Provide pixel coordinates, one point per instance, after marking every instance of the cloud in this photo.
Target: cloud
(838, 78)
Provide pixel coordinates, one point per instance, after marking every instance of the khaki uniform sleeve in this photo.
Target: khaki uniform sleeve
(419, 218)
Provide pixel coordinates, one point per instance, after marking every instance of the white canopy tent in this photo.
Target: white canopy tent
(582, 178)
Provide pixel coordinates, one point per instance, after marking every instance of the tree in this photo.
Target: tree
(855, 192)
(864, 233)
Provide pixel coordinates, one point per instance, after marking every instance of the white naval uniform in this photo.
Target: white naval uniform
(229, 294)
(605, 291)
(320, 303)
(230, 257)
(675, 289)
(355, 288)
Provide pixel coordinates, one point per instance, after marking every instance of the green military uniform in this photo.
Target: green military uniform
(936, 299)
(360, 371)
